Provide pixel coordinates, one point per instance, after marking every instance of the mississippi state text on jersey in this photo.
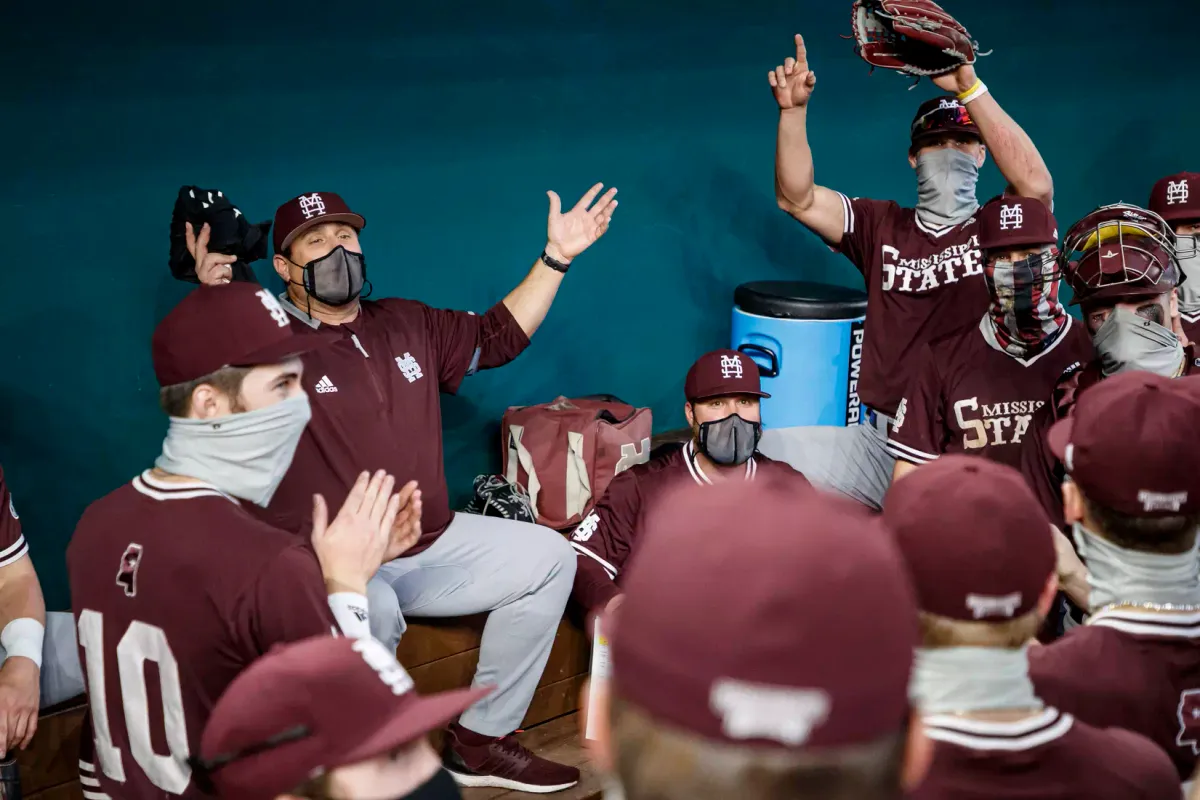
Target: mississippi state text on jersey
(176, 589)
(921, 282)
(968, 397)
(607, 537)
(1133, 669)
(1051, 754)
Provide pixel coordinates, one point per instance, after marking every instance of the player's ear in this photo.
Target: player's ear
(282, 267)
(1174, 304)
(982, 156)
(918, 754)
(912, 159)
(1049, 592)
(1072, 502)
(689, 414)
(207, 403)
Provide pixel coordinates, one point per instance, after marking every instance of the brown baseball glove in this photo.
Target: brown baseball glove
(916, 37)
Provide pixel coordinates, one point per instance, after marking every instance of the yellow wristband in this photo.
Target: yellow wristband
(964, 95)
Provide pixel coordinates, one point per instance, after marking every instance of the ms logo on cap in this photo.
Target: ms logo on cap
(757, 711)
(385, 665)
(272, 305)
(1177, 191)
(1011, 217)
(731, 366)
(311, 205)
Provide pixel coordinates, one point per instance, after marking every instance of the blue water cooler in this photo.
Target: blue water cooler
(807, 341)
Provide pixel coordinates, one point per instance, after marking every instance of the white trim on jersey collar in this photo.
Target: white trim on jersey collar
(1148, 623)
(975, 734)
(158, 489)
(989, 336)
(689, 458)
(938, 233)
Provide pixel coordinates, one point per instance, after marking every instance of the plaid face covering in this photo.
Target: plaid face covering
(1025, 313)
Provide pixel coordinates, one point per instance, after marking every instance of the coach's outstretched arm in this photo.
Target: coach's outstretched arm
(1015, 154)
(817, 208)
(567, 235)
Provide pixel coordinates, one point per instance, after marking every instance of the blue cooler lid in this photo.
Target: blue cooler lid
(800, 300)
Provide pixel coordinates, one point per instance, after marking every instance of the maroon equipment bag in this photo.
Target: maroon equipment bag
(566, 453)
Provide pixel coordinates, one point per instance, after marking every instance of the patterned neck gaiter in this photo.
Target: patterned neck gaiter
(1025, 312)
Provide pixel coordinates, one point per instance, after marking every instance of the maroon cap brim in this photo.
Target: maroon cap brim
(1059, 437)
(281, 351)
(351, 219)
(710, 395)
(427, 714)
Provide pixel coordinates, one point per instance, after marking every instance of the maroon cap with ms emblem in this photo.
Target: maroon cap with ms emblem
(1009, 223)
(315, 208)
(1176, 198)
(812, 647)
(310, 707)
(229, 325)
(976, 540)
(939, 116)
(1130, 444)
(721, 373)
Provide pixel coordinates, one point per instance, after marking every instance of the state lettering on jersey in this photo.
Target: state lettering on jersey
(587, 528)
(956, 262)
(1189, 720)
(993, 424)
(127, 572)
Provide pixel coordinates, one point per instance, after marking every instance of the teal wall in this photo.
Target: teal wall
(445, 127)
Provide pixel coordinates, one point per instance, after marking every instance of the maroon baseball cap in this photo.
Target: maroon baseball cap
(763, 614)
(228, 325)
(1009, 223)
(314, 208)
(315, 705)
(939, 116)
(1130, 444)
(720, 373)
(976, 540)
(1176, 197)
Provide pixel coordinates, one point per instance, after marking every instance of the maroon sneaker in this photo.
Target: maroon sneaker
(503, 763)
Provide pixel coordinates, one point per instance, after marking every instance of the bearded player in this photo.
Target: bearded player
(1121, 264)
(975, 390)
(1133, 502)
(722, 409)
(922, 266)
(1176, 198)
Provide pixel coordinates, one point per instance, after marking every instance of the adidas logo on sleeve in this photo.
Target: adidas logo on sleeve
(325, 385)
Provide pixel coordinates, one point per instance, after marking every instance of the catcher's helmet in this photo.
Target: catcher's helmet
(1119, 250)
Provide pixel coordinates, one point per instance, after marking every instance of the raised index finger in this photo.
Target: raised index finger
(801, 54)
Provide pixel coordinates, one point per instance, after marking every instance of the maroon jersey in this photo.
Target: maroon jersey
(607, 537)
(968, 397)
(1132, 669)
(922, 282)
(1041, 469)
(176, 589)
(12, 541)
(375, 400)
(1191, 326)
(1050, 756)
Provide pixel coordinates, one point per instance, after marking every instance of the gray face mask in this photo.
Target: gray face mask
(946, 680)
(946, 181)
(245, 455)
(337, 278)
(1117, 575)
(1127, 342)
(1189, 290)
(730, 441)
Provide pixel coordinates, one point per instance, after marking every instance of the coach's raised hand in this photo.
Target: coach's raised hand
(212, 269)
(352, 547)
(792, 81)
(569, 234)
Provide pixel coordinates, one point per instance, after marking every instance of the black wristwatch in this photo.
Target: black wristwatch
(554, 264)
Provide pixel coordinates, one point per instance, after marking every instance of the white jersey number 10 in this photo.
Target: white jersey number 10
(139, 644)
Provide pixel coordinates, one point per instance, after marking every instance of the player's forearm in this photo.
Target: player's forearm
(794, 182)
(901, 469)
(1075, 586)
(21, 599)
(531, 300)
(1015, 154)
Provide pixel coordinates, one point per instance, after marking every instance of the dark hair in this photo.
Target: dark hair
(176, 399)
(1166, 535)
(659, 762)
(938, 631)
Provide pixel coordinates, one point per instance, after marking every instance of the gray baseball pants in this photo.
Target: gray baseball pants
(851, 460)
(521, 574)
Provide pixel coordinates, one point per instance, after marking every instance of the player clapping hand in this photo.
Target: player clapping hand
(407, 527)
(19, 692)
(352, 547)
